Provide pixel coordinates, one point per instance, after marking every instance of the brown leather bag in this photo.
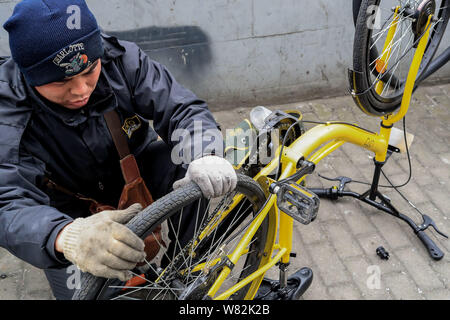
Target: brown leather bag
(135, 190)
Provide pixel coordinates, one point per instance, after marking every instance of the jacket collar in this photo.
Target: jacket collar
(112, 48)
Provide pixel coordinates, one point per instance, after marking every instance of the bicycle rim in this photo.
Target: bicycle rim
(183, 268)
(384, 68)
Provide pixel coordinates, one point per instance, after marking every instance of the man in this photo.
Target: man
(54, 92)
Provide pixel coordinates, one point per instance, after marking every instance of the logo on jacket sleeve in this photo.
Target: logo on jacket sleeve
(130, 125)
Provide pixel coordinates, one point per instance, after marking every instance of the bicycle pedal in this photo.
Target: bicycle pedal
(297, 202)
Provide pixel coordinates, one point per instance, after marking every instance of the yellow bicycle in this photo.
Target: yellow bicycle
(239, 237)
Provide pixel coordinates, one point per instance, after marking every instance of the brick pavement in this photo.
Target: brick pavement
(340, 245)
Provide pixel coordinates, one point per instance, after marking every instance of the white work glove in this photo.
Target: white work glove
(214, 175)
(101, 245)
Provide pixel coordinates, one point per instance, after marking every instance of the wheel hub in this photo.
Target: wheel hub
(423, 11)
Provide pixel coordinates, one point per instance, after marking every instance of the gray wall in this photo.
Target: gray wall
(239, 52)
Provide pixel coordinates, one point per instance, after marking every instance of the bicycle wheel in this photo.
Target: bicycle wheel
(380, 72)
(189, 264)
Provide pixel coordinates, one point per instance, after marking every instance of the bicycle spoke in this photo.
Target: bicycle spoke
(199, 242)
(396, 65)
(381, 32)
(176, 233)
(400, 48)
(215, 245)
(396, 45)
(232, 276)
(233, 222)
(230, 248)
(186, 258)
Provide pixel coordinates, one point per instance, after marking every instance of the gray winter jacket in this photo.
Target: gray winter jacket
(74, 147)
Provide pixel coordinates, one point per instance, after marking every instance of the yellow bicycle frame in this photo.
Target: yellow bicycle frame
(314, 145)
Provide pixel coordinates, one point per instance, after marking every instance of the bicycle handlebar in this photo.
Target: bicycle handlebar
(430, 245)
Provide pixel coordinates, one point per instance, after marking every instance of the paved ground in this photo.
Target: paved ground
(340, 245)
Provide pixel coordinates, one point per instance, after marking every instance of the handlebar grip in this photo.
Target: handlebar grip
(322, 193)
(432, 248)
(329, 193)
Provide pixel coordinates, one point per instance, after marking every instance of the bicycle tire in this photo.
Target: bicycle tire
(167, 206)
(365, 53)
(355, 8)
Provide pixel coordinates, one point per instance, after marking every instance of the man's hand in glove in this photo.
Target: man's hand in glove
(101, 245)
(214, 175)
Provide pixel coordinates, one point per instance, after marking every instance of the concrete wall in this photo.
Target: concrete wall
(239, 52)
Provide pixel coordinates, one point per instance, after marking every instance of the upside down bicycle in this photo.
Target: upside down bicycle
(245, 233)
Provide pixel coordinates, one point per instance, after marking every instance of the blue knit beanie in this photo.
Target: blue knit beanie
(53, 39)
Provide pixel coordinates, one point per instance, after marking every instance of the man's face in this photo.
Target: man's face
(73, 92)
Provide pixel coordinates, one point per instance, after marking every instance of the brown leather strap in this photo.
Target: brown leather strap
(52, 185)
(94, 207)
(130, 169)
(134, 190)
(118, 136)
